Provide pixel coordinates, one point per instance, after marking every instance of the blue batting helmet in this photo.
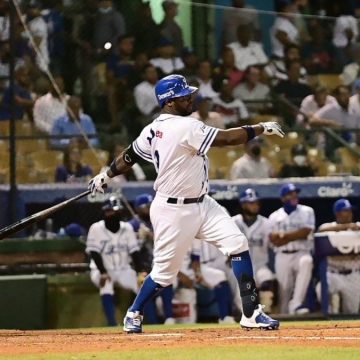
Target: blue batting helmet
(171, 87)
(112, 203)
(249, 195)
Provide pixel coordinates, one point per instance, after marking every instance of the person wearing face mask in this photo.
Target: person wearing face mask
(292, 227)
(299, 166)
(112, 246)
(251, 165)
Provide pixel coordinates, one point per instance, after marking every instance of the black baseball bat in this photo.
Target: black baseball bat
(41, 215)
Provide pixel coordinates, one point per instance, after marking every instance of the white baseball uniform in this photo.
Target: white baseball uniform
(343, 277)
(115, 250)
(177, 146)
(293, 261)
(258, 237)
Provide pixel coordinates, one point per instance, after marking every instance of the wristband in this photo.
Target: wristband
(249, 131)
(114, 169)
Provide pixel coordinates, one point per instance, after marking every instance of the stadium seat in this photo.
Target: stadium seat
(4, 146)
(26, 175)
(263, 118)
(221, 159)
(95, 158)
(348, 161)
(31, 145)
(291, 138)
(22, 127)
(4, 128)
(330, 81)
(47, 159)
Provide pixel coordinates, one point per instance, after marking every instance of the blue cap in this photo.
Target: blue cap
(75, 230)
(249, 195)
(143, 199)
(342, 204)
(172, 86)
(112, 203)
(288, 188)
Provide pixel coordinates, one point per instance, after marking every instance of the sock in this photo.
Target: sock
(223, 299)
(242, 268)
(167, 296)
(148, 290)
(150, 313)
(109, 309)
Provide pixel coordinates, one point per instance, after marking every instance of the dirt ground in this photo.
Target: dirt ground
(16, 342)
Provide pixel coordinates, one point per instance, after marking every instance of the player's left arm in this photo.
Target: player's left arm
(243, 134)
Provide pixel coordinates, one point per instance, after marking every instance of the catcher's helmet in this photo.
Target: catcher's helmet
(172, 86)
(249, 195)
(112, 203)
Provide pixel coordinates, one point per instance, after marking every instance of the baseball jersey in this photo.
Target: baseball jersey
(258, 237)
(341, 262)
(177, 147)
(302, 217)
(115, 248)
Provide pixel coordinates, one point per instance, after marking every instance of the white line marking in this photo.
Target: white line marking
(289, 338)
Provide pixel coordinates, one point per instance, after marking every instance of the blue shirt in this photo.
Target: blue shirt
(64, 126)
(5, 103)
(121, 69)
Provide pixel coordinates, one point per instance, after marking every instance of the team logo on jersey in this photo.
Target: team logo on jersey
(159, 134)
(166, 95)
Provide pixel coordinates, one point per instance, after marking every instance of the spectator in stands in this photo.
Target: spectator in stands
(343, 275)
(284, 31)
(210, 118)
(145, 29)
(170, 28)
(312, 103)
(251, 165)
(136, 173)
(239, 14)
(346, 33)
(50, 106)
(204, 78)
(74, 123)
(257, 228)
(191, 63)
(142, 226)
(108, 27)
(232, 110)
(253, 90)
(167, 60)
(292, 226)
(292, 91)
(247, 52)
(39, 31)
(298, 165)
(227, 69)
(351, 71)
(22, 97)
(4, 21)
(144, 92)
(354, 101)
(319, 54)
(120, 66)
(72, 169)
(277, 69)
(114, 251)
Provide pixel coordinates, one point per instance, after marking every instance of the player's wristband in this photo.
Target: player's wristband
(249, 131)
(114, 169)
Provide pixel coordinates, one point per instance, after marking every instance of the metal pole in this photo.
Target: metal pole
(13, 187)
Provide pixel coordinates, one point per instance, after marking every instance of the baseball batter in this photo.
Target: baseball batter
(112, 246)
(343, 272)
(177, 145)
(292, 228)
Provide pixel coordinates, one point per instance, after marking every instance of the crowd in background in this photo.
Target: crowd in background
(105, 66)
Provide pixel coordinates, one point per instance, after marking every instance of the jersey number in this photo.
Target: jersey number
(157, 159)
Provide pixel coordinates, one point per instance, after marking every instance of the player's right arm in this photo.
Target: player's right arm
(243, 134)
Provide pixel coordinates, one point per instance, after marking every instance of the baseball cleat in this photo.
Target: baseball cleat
(133, 322)
(259, 320)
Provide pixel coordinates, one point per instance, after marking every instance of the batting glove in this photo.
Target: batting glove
(99, 183)
(272, 128)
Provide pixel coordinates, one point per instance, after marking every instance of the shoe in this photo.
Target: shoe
(227, 320)
(259, 320)
(169, 321)
(299, 310)
(133, 322)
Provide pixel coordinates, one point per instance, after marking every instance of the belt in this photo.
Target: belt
(289, 251)
(172, 200)
(344, 272)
